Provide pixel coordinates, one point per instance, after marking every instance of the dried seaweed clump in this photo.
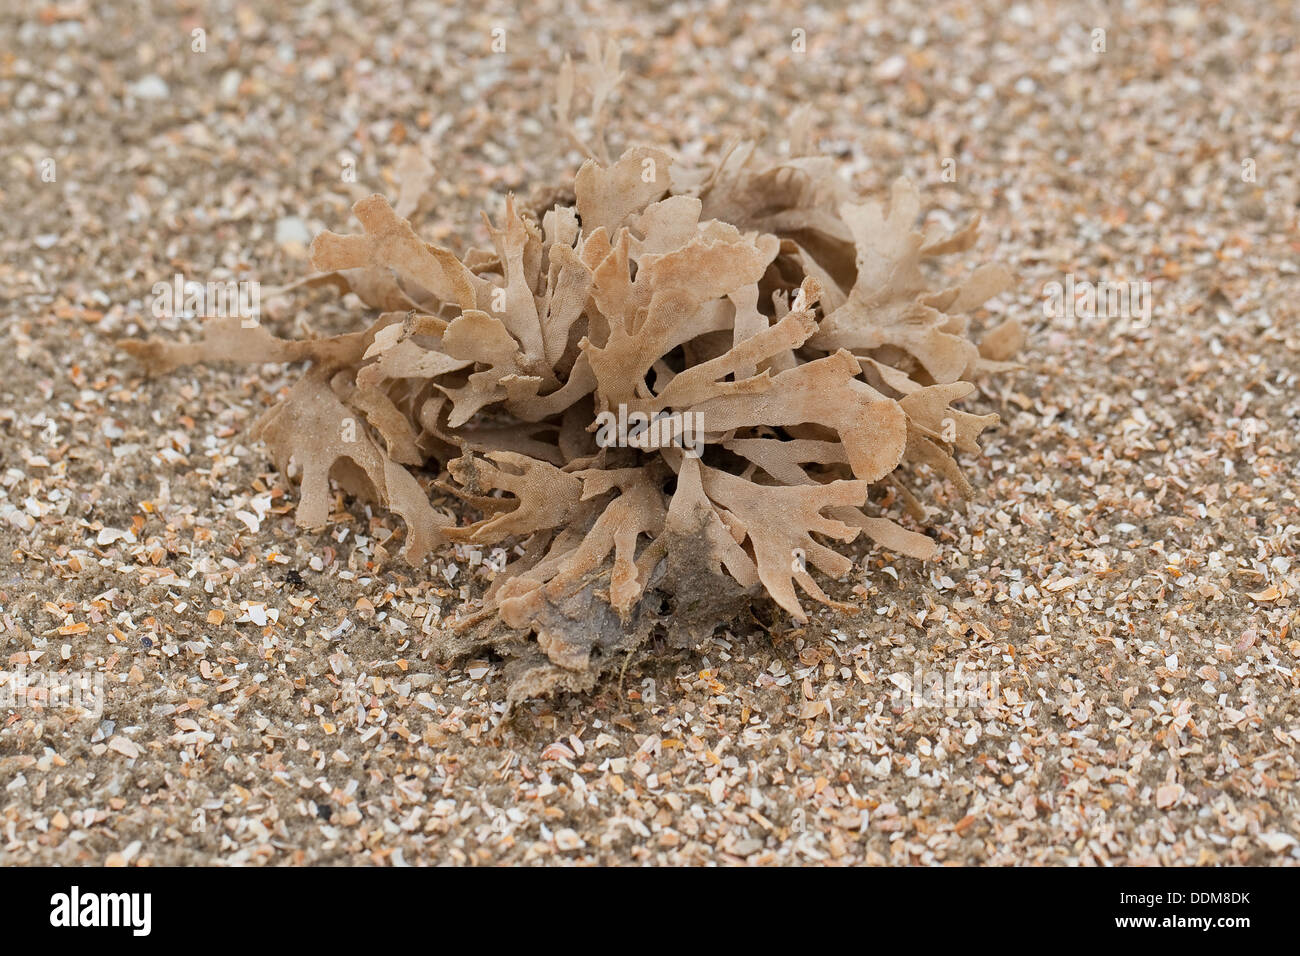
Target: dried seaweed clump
(665, 391)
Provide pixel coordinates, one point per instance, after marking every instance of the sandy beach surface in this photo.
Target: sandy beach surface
(1100, 667)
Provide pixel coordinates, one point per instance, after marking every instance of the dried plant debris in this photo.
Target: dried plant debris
(669, 389)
